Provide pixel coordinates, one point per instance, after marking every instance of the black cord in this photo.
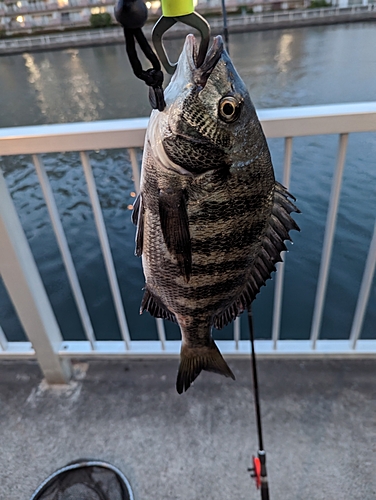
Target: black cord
(132, 15)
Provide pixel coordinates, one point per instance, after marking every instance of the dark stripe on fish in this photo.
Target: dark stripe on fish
(209, 291)
(234, 240)
(219, 211)
(208, 269)
(195, 156)
(219, 267)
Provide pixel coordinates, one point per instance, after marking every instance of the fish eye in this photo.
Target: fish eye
(229, 109)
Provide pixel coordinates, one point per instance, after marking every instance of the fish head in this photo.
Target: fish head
(209, 120)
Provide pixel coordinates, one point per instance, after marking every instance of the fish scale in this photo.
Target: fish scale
(211, 219)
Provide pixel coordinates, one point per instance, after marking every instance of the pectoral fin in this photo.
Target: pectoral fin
(174, 223)
(138, 220)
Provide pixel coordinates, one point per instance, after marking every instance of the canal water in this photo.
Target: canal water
(303, 66)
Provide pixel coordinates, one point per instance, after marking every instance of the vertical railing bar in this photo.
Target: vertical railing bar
(278, 290)
(3, 340)
(365, 289)
(161, 332)
(328, 240)
(25, 288)
(135, 169)
(237, 332)
(105, 246)
(64, 249)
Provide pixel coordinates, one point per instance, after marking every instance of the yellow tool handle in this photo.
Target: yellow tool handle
(176, 8)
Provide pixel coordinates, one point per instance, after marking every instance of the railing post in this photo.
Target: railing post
(364, 292)
(64, 249)
(278, 290)
(237, 332)
(135, 169)
(328, 240)
(3, 341)
(106, 250)
(24, 284)
(161, 332)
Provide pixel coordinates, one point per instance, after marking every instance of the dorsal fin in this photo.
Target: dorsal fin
(280, 223)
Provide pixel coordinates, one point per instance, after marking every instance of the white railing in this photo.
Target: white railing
(25, 288)
(235, 22)
(276, 17)
(77, 37)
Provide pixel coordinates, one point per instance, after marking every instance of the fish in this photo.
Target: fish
(211, 218)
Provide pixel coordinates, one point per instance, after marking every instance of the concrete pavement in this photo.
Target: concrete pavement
(319, 422)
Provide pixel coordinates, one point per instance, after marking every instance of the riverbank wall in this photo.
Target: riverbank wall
(236, 24)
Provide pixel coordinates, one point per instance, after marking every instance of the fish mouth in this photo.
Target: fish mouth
(202, 73)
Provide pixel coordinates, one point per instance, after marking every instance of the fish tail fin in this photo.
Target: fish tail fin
(195, 359)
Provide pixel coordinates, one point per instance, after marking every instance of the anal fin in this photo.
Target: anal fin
(155, 307)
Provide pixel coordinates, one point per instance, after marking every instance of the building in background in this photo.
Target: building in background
(17, 16)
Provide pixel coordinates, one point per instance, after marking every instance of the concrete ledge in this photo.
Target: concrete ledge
(318, 418)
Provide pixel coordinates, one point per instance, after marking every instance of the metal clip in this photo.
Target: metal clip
(165, 23)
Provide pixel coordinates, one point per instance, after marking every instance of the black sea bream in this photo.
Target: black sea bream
(211, 219)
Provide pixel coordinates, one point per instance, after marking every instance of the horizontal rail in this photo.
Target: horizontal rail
(153, 348)
(85, 136)
(319, 120)
(62, 39)
(129, 133)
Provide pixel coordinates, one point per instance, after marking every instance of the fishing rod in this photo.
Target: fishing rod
(259, 463)
(225, 28)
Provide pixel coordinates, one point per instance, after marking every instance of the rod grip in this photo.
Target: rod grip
(264, 491)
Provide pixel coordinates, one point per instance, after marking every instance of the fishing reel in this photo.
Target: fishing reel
(258, 473)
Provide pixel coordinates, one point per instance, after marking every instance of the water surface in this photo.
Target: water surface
(303, 66)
